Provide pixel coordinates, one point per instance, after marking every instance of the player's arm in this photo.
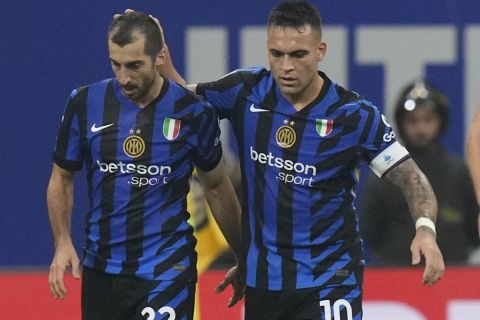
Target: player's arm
(472, 149)
(167, 69)
(423, 205)
(223, 203)
(60, 201)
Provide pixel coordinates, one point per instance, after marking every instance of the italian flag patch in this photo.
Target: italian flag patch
(171, 128)
(324, 127)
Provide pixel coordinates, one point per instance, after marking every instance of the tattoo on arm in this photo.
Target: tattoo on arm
(415, 187)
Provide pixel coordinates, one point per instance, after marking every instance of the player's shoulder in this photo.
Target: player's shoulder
(184, 94)
(189, 99)
(83, 89)
(353, 101)
(248, 76)
(256, 71)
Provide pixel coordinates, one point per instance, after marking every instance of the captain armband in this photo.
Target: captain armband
(388, 158)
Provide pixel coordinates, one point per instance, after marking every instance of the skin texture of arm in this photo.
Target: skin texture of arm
(222, 200)
(60, 201)
(472, 150)
(168, 69)
(422, 203)
(223, 203)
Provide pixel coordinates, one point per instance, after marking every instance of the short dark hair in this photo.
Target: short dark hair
(121, 31)
(295, 14)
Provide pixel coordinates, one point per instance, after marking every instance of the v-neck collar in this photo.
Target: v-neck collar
(125, 101)
(291, 109)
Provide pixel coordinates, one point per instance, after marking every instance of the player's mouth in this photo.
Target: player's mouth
(287, 81)
(129, 90)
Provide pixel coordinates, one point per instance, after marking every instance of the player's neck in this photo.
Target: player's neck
(305, 97)
(152, 94)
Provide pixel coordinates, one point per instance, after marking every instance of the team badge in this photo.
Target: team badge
(286, 135)
(324, 127)
(134, 146)
(171, 128)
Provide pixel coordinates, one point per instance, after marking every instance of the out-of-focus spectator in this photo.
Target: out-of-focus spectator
(473, 155)
(421, 116)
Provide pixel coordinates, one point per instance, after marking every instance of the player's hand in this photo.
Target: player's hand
(65, 257)
(424, 244)
(233, 277)
(115, 16)
(159, 27)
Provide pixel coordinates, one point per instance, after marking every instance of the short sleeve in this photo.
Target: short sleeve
(382, 150)
(208, 152)
(222, 93)
(68, 152)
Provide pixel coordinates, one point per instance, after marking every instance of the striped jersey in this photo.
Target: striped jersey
(139, 162)
(300, 168)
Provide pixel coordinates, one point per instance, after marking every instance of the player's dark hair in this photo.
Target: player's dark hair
(421, 94)
(122, 29)
(295, 14)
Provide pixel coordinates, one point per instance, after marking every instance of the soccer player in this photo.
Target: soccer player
(301, 138)
(139, 136)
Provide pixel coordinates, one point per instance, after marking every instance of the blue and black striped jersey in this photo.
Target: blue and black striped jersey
(300, 168)
(139, 162)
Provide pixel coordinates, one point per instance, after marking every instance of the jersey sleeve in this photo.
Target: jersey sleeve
(222, 94)
(208, 153)
(68, 152)
(383, 151)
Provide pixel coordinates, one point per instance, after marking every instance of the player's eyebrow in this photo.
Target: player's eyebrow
(299, 51)
(129, 63)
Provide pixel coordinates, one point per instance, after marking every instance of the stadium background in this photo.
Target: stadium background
(49, 48)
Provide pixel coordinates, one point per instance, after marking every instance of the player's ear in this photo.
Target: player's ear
(321, 51)
(160, 58)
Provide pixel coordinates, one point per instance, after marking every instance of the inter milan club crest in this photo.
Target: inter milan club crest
(171, 128)
(134, 146)
(286, 135)
(324, 127)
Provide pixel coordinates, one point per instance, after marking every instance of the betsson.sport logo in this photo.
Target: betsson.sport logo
(141, 175)
(293, 172)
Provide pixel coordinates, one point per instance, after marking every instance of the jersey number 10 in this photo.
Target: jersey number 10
(327, 306)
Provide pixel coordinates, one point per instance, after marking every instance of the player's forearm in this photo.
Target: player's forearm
(169, 71)
(225, 209)
(223, 203)
(417, 190)
(60, 201)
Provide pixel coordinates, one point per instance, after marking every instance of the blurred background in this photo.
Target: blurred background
(375, 48)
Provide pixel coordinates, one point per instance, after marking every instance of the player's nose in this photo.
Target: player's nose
(123, 76)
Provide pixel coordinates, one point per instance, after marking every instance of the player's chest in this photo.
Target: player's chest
(135, 135)
(312, 136)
